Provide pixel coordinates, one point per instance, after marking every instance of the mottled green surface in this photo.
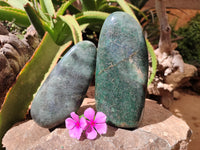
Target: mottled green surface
(64, 89)
(121, 71)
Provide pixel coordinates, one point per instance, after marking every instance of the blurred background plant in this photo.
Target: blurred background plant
(189, 46)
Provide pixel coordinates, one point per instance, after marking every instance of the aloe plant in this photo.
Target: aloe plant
(14, 14)
(63, 29)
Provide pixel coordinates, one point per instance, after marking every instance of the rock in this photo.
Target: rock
(121, 70)
(25, 133)
(179, 79)
(159, 129)
(90, 92)
(66, 86)
(176, 95)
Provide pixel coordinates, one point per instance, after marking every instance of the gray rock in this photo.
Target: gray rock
(64, 89)
(159, 130)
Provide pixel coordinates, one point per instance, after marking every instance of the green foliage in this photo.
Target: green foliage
(74, 27)
(139, 4)
(35, 20)
(47, 8)
(63, 7)
(14, 14)
(16, 3)
(61, 28)
(189, 46)
(88, 5)
(91, 19)
(154, 61)
(124, 5)
(3, 3)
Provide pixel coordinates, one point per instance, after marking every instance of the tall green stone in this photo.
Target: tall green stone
(65, 87)
(121, 70)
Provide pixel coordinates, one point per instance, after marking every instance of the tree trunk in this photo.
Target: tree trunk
(14, 53)
(169, 60)
(165, 30)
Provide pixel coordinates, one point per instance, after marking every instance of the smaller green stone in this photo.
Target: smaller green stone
(121, 70)
(66, 86)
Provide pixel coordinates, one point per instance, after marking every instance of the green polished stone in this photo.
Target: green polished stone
(65, 87)
(121, 70)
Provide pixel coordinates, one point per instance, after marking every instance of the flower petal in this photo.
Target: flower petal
(91, 133)
(101, 128)
(83, 123)
(75, 132)
(74, 116)
(89, 113)
(100, 117)
(69, 123)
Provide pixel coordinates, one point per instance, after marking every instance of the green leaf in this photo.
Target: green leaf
(125, 6)
(101, 3)
(63, 7)
(73, 10)
(47, 7)
(44, 16)
(88, 5)
(17, 3)
(93, 5)
(91, 17)
(28, 81)
(84, 26)
(13, 14)
(34, 19)
(74, 27)
(138, 10)
(154, 61)
(3, 3)
(61, 32)
(109, 8)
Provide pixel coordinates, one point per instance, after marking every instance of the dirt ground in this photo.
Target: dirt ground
(187, 107)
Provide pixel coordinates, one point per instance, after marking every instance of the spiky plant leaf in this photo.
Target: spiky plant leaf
(14, 14)
(74, 27)
(154, 61)
(34, 19)
(4, 3)
(91, 17)
(88, 5)
(126, 8)
(17, 3)
(47, 7)
(63, 7)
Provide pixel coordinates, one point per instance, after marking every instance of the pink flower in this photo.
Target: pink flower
(75, 125)
(95, 123)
